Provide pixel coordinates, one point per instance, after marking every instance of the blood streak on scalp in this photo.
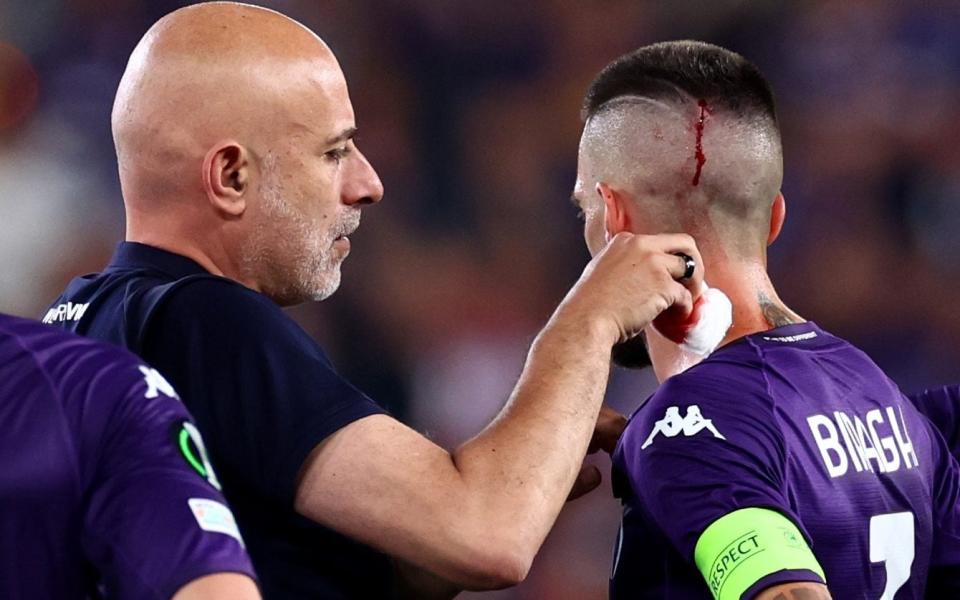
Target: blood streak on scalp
(699, 155)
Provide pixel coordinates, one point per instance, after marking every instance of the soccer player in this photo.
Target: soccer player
(241, 181)
(104, 481)
(785, 465)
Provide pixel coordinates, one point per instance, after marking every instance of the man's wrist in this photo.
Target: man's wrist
(590, 329)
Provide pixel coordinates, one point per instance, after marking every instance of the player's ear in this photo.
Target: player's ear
(778, 213)
(616, 216)
(226, 177)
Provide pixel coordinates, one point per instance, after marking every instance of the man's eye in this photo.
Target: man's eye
(338, 154)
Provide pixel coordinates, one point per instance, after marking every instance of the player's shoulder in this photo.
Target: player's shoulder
(62, 353)
(724, 398)
(91, 379)
(733, 379)
(941, 406)
(938, 403)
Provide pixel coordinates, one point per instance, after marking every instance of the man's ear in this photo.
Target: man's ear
(226, 177)
(616, 217)
(778, 214)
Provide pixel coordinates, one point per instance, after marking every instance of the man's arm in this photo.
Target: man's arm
(155, 521)
(414, 582)
(477, 516)
(606, 434)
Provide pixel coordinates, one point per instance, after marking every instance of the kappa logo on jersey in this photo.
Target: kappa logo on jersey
(67, 311)
(672, 424)
(156, 383)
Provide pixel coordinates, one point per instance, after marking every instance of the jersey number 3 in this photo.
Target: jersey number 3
(892, 543)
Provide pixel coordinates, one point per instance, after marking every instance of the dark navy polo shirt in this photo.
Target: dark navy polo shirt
(262, 392)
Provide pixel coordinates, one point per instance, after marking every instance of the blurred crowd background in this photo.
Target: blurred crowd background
(470, 113)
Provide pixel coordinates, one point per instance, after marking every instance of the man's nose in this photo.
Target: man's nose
(363, 185)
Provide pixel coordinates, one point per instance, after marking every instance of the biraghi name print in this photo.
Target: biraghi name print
(876, 442)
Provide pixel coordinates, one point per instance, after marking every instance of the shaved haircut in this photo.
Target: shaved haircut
(691, 129)
(679, 70)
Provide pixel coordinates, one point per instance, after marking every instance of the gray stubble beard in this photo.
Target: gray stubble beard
(299, 265)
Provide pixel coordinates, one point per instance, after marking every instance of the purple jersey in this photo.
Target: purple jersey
(942, 407)
(799, 422)
(104, 485)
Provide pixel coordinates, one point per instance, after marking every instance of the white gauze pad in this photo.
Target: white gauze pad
(716, 317)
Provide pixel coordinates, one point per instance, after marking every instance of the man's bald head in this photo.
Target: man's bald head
(213, 71)
(233, 128)
(688, 132)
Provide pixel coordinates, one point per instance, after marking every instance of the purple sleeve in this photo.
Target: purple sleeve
(942, 407)
(944, 579)
(707, 444)
(154, 521)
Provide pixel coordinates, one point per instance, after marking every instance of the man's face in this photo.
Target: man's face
(587, 198)
(631, 354)
(311, 190)
(588, 201)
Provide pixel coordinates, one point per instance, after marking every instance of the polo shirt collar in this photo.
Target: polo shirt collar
(134, 255)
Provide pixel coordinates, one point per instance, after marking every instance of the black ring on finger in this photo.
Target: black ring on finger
(690, 266)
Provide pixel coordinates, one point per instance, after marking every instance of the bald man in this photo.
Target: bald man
(241, 181)
(785, 465)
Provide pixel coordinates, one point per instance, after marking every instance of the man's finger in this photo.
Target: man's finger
(693, 280)
(682, 301)
(587, 480)
(673, 243)
(676, 265)
(684, 246)
(689, 266)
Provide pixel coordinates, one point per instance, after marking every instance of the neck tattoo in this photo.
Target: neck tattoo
(775, 314)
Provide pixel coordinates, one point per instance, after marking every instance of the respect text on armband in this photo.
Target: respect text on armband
(733, 556)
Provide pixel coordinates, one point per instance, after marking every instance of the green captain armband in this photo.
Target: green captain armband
(740, 548)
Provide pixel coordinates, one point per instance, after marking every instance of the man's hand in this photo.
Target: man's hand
(610, 426)
(631, 281)
(475, 517)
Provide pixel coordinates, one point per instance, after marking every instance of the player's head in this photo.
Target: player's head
(682, 137)
(233, 129)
